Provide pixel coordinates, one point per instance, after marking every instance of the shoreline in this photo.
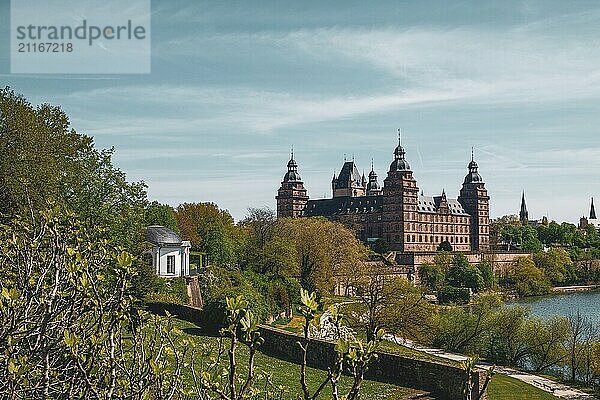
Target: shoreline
(573, 289)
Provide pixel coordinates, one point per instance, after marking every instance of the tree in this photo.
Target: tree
(527, 279)
(432, 276)
(161, 214)
(463, 274)
(44, 161)
(325, 250)
(545, 340)
(581, 334)
(68, 325)
(464, 330)
(506, 344)
(393, 304)
(556, 264)
(487, 273)
(212, 231)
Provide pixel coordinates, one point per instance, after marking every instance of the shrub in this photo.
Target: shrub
(454, 295)
(170, 290)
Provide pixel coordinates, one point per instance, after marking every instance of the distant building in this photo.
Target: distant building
(592, 220)
(170, 254)
(524, 215)
(408, 220)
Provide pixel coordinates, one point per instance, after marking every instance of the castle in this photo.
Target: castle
(397, 213)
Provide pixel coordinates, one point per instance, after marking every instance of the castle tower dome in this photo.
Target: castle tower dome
(399, 163)
(373, 188)
(473, 175)
(292, 195)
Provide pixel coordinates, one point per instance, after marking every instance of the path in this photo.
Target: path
(547, 385)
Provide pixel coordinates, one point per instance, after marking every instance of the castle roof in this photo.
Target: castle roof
(349, 176)
(429, 204)
(344, 205)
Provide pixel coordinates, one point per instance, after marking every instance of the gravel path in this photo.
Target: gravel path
(547, 385)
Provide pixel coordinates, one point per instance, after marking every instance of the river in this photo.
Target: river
(588, 303)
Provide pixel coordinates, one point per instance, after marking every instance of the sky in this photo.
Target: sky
(233, 85)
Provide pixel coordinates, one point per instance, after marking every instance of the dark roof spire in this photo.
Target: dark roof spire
(523, 214)
(592, 210)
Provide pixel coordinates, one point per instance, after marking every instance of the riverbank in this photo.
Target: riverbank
(556, 389)
(572, 289)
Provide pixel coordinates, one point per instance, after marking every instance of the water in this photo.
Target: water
(588, 303)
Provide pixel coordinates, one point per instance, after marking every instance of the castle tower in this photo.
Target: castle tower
(475, 200)
(400, 198)
(523, 214)
(373, 188)
(291, 196)
(592, 210)
(349, 182)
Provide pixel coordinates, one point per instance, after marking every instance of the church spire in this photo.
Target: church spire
(592, 210)
(523, 214)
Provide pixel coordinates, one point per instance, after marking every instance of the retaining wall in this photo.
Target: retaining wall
(442, 380)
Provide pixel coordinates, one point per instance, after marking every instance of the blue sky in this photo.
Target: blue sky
(234, 85)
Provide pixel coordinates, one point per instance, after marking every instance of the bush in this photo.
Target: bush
(170, 290)
(454, 295)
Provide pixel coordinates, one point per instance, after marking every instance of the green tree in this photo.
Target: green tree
(463, 274)
(432, 276)
(212, 231)
(393, 304)
(556, 264)
(324, 250)
(487, 273)
(68, 325)
(43, 161)
(527, 279)
(161, 214)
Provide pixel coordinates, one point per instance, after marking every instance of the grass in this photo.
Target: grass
(505, 388)
(286, 375)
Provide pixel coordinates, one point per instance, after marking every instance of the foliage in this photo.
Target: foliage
(464, 330)
(463, 274)
(353, 356)
(393, 304)
(432, 276)
(44, 161)
(545, 341)
(453, 295)
(212, 231)
(170, 290)
(323, 249)
(527, 279)
(161, 214)
(68, 326)
(556, 264)
(487, 273)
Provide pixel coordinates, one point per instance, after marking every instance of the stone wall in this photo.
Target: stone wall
(444, 381)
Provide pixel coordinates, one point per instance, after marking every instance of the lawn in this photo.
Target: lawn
(505, 388)
(285, 374)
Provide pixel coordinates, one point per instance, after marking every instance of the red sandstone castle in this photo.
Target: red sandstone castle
(396, 212)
